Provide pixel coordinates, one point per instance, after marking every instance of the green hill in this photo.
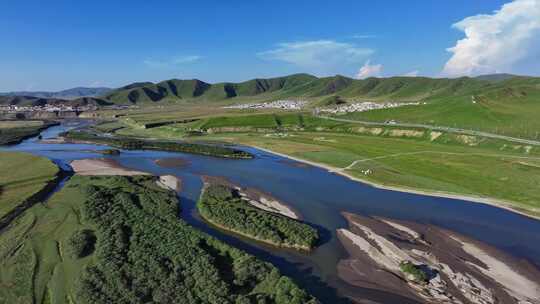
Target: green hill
(503, 104)
(40, 101)
(308, 86)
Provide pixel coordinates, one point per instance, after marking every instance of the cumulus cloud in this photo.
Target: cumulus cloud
(498, 42)
(412, 73)
(318, 55)
(170, 63)
(369, 70)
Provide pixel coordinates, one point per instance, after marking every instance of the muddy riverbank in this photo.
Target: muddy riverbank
(453, 268)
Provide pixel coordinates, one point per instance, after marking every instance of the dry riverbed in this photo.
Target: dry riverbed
(102, 166)
(170, 182)
(457, 269)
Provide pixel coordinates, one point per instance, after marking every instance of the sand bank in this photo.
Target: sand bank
(169, 182)
(457, 269)
(257, 198)
(102, 167)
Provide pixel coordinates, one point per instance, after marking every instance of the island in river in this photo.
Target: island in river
(226, 207)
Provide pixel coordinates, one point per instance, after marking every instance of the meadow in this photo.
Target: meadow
(21, 176)
(14, 131)
(407, 158)
(119, 240)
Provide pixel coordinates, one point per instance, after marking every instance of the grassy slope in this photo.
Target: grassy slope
(22, 175)
(37, 269)
(506, 106)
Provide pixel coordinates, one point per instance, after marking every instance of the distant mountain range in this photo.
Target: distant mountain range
(292, 86)
(40, 101)
(308, 86)
(68, 94)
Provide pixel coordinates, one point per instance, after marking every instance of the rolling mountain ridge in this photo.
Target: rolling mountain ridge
(68, 94)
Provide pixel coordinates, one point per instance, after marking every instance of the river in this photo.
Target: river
(319, 196)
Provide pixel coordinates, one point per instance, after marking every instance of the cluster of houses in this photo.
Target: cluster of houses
(366, 106)
(46, 108)
(278, 104)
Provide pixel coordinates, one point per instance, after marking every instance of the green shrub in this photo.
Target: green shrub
(415, 271)
(223, 206)
(80, 244)
(137, 144)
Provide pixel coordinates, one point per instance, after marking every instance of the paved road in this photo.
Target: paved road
(438, 128)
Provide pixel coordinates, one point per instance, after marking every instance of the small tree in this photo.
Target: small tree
(80, 244)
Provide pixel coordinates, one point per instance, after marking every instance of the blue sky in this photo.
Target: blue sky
(52, 45)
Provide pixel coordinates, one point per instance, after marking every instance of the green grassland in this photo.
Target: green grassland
(10, 124)
(502, 105)
(119, 240)
(449, 164)
(417, 159)
(14, 131)
(223, 206)
(21, 176)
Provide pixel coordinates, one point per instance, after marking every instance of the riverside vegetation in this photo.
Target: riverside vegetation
(224, 207)
(408, 158)
(15, 131)
(119, 240)
(138, 144)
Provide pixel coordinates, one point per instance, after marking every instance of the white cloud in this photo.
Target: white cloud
(412, 73)
(318, 55)
(499, 42)
(170, 63)
(369, 70)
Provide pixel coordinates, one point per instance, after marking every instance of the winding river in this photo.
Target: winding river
(319, 196)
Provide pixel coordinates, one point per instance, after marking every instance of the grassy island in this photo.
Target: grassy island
(138, 144)
(119, 240)
(223, 207)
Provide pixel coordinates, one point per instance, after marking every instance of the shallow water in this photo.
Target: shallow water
(319, 196)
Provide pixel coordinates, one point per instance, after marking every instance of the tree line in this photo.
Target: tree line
(145, 254)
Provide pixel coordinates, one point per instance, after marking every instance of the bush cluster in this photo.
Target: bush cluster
(417, 273)
(138, 144)
(146, 254)
(80, 244)
(223, 206)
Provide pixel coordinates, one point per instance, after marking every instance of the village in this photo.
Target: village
(278, 104)
(366, 106)
(46, 108)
